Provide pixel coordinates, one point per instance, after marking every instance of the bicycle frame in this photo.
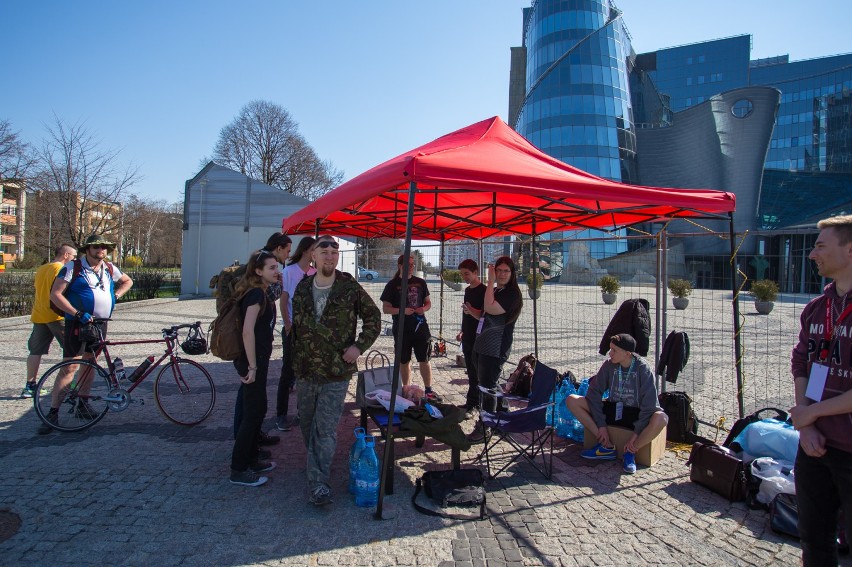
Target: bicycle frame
(170, 338)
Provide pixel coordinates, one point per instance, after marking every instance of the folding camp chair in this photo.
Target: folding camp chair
(536, 446)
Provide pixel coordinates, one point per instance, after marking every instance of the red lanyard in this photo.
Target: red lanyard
(830, 328)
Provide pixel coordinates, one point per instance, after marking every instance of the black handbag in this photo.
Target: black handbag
(718, 469)
(784, 515)
(455, 487)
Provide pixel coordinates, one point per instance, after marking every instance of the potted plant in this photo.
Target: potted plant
(680, 290)
(609, 288)
(453, 279)
(535, 280)
(765, 292)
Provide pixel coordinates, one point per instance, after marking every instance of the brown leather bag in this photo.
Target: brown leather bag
(719, 469)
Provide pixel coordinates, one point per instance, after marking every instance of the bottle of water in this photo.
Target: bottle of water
(140, 370)
(118, 367)
(367, 476)
(354, 455)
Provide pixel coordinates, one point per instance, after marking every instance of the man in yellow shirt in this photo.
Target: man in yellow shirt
(47, 325)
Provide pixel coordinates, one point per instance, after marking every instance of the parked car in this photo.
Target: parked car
(369, 275)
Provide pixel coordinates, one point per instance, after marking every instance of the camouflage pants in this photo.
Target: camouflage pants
(320, 407)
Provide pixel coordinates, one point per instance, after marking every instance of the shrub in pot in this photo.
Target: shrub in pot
(680, 289)
(452, 278)
(609, 288)
(534, 283)
(765, 292)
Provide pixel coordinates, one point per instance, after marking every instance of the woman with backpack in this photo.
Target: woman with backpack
(258, 315)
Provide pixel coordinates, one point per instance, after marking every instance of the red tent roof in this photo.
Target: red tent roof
(487, 180)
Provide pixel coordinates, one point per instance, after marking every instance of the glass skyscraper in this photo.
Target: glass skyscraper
(581, 94)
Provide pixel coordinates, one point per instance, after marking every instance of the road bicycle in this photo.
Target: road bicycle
(183, 389)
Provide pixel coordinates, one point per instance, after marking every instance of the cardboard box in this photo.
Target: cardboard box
(647, 455)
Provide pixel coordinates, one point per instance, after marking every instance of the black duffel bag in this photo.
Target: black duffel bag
(455, 487)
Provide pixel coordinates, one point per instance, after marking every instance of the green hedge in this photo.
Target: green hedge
(16, 289)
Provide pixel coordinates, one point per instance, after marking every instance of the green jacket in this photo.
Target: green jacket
(318, 346)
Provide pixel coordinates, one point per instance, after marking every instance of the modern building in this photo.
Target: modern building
(579, 92)
(13, 203)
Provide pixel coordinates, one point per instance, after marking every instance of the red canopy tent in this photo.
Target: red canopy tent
(486, 180)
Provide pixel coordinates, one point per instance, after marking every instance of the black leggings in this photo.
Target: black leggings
(254, 411)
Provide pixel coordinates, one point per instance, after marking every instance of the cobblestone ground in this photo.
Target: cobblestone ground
(138, 490)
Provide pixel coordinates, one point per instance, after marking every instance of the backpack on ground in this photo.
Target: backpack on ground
(455, 487)
(224, 283)
(226, 331)
(520, 380)
(683, 425)
(75, 273)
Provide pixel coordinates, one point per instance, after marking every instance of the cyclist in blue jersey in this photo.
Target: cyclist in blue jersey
(83, 289)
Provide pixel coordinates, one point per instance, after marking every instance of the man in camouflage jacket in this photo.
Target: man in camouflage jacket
(326, 308)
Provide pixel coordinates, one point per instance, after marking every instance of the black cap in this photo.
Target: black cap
(624, 342)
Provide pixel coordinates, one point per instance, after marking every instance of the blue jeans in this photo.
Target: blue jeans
(823, 485)
(320, 407)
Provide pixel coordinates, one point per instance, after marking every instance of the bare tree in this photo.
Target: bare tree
(264, 143)
(85, 180)
(16, 156)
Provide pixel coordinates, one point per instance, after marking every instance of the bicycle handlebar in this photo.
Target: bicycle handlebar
(174, 329)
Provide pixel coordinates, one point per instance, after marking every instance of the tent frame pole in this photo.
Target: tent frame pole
(534, 273)
(400, 335)
(735, 304)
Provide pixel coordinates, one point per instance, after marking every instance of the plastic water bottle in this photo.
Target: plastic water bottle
(140, 370)
(118, 367)
(367, 476)
(354, 455)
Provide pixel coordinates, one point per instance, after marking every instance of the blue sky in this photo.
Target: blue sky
(365, 80)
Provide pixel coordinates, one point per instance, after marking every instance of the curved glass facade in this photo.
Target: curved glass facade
(577, 107)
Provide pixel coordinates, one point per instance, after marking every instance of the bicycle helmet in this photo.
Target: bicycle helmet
(88, 333)
(195, 342)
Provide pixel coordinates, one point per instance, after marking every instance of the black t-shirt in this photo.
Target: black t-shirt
(417, 294)
(476, 297)
(264, 327)
(497, 332)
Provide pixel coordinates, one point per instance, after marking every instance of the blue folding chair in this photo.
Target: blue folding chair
(536, 447)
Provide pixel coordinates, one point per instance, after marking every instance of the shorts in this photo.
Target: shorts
(73, 345)
(43, 334)
(418, 341)
(628, 416)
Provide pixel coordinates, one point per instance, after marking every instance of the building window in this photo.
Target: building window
(9, 210)
(742, 108)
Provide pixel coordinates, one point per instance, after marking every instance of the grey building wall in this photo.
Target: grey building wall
(708, 147)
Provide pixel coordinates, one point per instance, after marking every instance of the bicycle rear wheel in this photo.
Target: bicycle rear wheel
(82, 404)
(185, 392)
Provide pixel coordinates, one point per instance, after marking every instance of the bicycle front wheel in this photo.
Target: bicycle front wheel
(185, 392)
(81, 390)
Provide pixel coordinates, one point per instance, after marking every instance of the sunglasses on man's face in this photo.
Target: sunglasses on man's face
(327, 243)
(98, 247)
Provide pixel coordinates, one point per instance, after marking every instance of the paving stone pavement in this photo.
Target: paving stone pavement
(136, 489)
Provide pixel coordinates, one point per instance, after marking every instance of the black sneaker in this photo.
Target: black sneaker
(262, 466)
(266, 440)
(52, 417)
(247, 478)
(283, 423)
(321, 495)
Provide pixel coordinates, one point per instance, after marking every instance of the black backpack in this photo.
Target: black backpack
(683, 425)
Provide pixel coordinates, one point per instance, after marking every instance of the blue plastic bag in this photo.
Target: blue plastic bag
(566, 425)
(769, 438)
